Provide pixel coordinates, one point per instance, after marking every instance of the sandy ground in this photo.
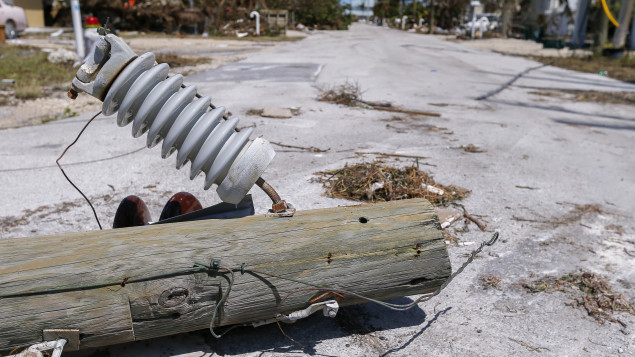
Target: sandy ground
(543, 159)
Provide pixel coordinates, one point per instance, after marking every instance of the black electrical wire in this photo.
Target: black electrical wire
(68, 179)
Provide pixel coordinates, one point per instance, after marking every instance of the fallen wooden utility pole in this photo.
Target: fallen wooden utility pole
(128, 284)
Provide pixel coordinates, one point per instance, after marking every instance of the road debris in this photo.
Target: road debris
(471, 148)
(447, 216)
(490, 281)
(280, 113)
(349, 94)
(480, 224)
(373, 182)
(590, 291)
(407, 111)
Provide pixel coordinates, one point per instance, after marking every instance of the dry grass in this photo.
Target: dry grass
(373, 182)
(349, 94)
(624, 98)
(591, 291)
(175, 60)
(621, 69)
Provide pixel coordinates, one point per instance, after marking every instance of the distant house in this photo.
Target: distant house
(34, 10)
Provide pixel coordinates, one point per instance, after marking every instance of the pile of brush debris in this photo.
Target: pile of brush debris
(373, 182)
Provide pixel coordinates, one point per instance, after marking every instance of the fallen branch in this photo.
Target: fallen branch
(375, 104)
(310, 148)
(470, 217)
(391, 155)
(526, 345)
(406, 111)
(520, 219)
(396, 155)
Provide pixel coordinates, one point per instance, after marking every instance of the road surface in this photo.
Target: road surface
(542, 157)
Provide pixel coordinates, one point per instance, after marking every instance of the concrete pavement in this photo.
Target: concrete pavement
(566, 152)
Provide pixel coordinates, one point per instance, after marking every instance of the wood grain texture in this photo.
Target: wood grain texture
(398, 250)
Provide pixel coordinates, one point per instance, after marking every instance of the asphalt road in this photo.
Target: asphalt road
(542, 156)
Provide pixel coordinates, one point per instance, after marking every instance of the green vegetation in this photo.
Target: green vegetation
(323, 14)
(31, 71)
(445, 13)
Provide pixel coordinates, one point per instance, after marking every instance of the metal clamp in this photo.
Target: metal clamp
(94, 77)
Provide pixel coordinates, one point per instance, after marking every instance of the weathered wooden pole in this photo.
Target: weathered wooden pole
(128, 284)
